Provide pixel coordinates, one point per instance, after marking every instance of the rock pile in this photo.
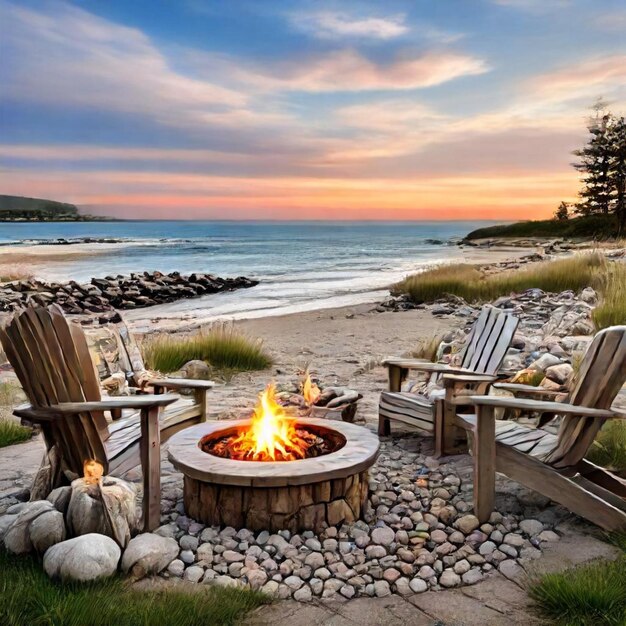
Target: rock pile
(115, 292)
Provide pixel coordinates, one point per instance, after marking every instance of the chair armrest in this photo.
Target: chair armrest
(469, 378)
(400, 362)
(529, 389)
(540, 406)
(425, 366)
(117, 402)
(181, 383)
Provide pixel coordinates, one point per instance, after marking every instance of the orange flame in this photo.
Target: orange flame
(272, 434)
(92, 471)
(310, 391)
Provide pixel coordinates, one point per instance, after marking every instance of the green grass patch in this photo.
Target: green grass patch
(609, 448)
(600, 227)
(222, 347)
(13, 432)
(27, 596)
(468, 282)
(590, 595)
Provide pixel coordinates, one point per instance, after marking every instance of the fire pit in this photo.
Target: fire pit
(274, 471)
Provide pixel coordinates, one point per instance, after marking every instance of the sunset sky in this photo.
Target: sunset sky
(259, 109)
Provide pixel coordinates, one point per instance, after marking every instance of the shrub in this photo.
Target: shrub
(590, 595)
(223, 347)
(472, 285)
(27, 596)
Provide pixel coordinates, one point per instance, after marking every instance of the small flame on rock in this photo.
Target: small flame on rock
(310, 391)
(92, 471)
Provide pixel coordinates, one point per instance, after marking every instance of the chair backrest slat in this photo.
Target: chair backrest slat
(51, 360)
(489, 340)
(601, 376)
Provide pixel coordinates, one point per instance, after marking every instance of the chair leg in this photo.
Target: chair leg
(396, 376)
(449, 438)
(200, 397)
(484, 462)
(151, 467)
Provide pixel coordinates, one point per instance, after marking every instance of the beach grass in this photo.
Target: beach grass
(611, 310)
(9, 273)
(609, 448)
(589, 595)
(28, 596)
(222, 347)
(427, 349)
(468, 282)
(13, 432)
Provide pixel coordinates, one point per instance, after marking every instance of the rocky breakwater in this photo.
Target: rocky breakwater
(115, 292)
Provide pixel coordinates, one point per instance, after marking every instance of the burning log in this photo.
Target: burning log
(102, 504)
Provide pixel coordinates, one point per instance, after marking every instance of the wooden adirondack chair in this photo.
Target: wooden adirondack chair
(481, 358)
(51, 359)
(554, 464)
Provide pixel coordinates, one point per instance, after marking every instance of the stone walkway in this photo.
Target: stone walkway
(495, 601)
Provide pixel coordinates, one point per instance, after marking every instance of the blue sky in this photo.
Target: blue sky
(435, 109)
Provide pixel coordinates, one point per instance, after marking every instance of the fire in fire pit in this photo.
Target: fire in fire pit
(272, 435)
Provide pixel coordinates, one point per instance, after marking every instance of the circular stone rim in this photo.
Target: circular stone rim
(358, 454)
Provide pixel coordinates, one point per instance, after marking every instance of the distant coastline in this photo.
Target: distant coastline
(23, 209)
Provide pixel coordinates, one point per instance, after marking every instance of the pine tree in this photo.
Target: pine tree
(562, 212)
(617, 169)
(594, 163)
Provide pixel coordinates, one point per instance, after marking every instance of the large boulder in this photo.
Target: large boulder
(83, 559)
(60, 497)
(47, 530)
(149, 554)
(17, 537)
(560, 373)
(197, 370)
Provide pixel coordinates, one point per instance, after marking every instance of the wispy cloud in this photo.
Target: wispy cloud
(587, 79)
(614, 21)
(349, 70)
(339, 25)
(62, 55)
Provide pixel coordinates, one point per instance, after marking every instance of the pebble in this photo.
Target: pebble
(383, 536)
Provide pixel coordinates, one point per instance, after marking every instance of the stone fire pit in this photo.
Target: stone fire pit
(304, 494)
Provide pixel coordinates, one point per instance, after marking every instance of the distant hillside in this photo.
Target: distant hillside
(593, 227)
(20, 209)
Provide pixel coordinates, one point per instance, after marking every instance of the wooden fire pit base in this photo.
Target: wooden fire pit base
(294, 508)
(307, 494)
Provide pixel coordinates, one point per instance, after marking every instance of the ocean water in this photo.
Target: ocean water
(300, 265)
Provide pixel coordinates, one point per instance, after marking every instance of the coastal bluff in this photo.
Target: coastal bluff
(102, 295)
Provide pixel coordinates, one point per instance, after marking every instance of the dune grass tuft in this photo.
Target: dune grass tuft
(13, 432)
(609, 447)
(10, 273)
(222, 347)
(27, 596)
(589, 595)
(611, 311)
(427, 349)
(472, 285)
